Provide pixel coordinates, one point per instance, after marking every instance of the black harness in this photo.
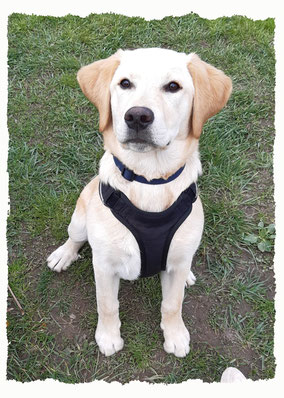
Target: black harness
(153, 231)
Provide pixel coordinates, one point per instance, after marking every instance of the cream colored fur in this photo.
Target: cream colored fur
(175, 131)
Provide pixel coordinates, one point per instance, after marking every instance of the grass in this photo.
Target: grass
(54, 151)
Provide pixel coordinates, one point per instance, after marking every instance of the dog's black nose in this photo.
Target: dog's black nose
(138, 117)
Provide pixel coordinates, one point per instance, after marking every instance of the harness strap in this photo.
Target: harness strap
(153, 231)
(110, 196)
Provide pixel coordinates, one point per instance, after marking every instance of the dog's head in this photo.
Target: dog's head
(153, 96)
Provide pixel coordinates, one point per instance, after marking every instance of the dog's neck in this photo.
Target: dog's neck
(130, 176)
(158, 164)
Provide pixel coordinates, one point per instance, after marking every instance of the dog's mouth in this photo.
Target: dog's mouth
(138, 144)
(141, 145)
(138, 141)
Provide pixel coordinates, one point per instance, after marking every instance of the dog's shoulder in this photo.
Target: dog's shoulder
(86, 195)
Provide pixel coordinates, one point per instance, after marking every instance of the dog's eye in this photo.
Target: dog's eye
(125, 83)
(172, 87)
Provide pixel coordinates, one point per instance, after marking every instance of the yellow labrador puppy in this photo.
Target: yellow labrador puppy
(141, 214)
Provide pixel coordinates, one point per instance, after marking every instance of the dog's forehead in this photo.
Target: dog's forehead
(152, 61)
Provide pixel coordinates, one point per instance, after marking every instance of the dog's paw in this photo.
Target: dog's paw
(61, 258)
(177, 340)
(109, 343)
(191, 279)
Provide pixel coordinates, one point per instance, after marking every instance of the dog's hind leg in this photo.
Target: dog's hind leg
(66, 254)
(191, 279)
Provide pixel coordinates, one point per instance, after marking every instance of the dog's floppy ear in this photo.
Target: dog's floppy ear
(212, 91)
(94, 80)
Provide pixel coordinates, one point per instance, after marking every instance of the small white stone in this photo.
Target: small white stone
(231, 375)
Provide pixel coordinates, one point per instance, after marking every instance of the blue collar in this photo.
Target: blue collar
(129, 175)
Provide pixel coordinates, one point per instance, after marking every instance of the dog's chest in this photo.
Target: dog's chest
(114, 248)
(139, 240)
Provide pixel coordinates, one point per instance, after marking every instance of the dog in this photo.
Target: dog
(152, 106)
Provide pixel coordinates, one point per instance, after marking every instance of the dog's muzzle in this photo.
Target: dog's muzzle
(138, 120)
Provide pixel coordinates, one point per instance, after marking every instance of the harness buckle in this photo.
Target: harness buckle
(129, 175)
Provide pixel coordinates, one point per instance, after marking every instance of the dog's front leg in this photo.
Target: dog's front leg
(108, 329)
(175, 333)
